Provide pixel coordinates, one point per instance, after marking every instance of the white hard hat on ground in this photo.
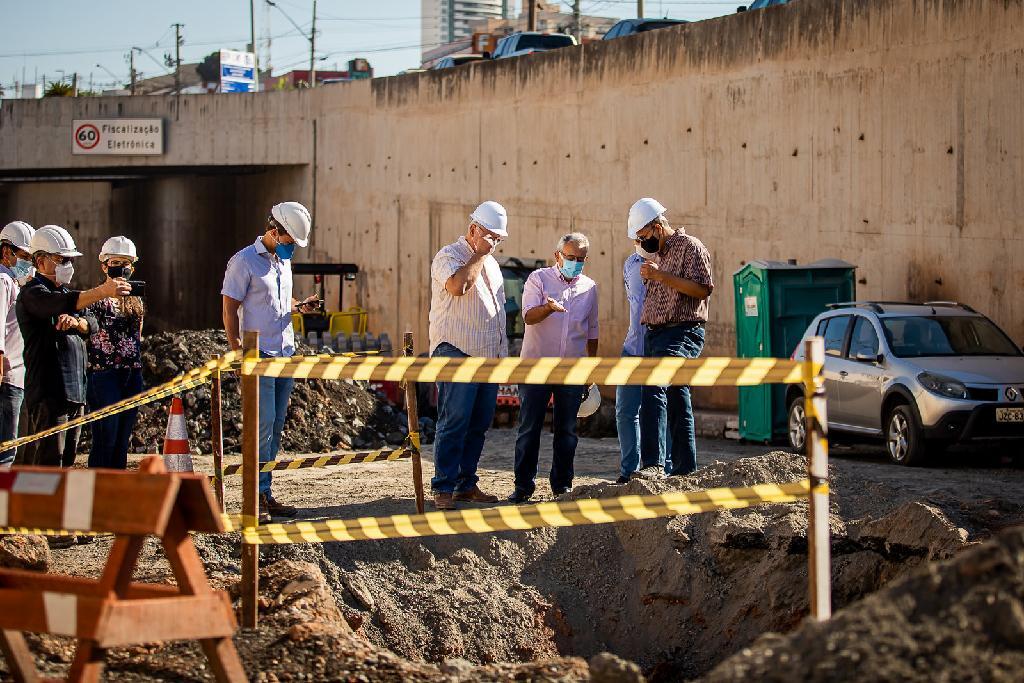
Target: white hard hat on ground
(18, 233)
(641, 213)
(591, 403)
(53, 239)
(491, 215)
(295, 219)
(119, 246)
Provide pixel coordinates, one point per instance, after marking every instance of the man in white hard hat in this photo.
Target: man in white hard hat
(679, 283)
(15, 267)
(467, 318)
(258, 285)
(560, 312)
(54, 343)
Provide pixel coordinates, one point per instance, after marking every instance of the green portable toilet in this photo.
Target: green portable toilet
(775, 302)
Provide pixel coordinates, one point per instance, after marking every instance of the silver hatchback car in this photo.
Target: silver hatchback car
(919, 376)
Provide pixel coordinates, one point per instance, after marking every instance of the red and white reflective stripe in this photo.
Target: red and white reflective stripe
(176, 440)
(61, 611)
(79, 490)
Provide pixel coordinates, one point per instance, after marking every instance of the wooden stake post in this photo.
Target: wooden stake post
(250, 480)
(816, 439)
(113, 611)
(412, 410)
(217, 438)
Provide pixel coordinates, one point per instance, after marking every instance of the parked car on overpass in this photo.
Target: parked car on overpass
(528, 42)
(629, 27)
(456, 60)
(919, 376)
(760, 4)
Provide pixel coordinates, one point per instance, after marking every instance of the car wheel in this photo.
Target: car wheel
(903, 438)
(797, 424)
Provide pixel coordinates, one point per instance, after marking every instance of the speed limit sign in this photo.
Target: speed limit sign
(87, 136)
(117, 137)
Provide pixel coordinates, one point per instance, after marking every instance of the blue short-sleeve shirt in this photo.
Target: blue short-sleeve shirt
(636, 290)
(263, 283)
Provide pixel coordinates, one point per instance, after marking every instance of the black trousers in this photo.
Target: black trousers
(60, 449)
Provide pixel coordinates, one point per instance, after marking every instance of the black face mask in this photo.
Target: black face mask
(651, 245)
(120, 271)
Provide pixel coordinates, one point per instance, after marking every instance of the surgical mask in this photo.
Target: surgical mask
(284, 251)
(120, 271)
(23, 269)
(651, 245)
(570, 269)
(63, 273)
(644, 253)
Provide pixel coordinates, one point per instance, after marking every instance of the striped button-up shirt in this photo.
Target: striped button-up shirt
(474, 322)
(686, 257)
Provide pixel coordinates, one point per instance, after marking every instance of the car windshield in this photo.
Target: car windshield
(919, 336)
(538, 42)
(652, 25)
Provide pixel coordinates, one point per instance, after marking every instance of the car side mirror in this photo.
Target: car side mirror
(741, 8)
(486, 55)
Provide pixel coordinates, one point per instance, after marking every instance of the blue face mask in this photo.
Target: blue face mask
(22, 268)
(285, 251)
(570, 269)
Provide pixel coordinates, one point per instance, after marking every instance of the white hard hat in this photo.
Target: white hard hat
(118, 246)
(53, 239)
(641, 213)
(18, 233)
(591, 403)
(295, 219)
(491, 215)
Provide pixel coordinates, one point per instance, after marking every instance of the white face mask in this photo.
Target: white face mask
(63, 273)
(645, 254)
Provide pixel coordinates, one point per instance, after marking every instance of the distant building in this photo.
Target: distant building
(358, 69)
(445, 21)
(24, 91)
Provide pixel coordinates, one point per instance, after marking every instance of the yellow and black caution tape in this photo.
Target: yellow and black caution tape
(604, 371)
(188, 380)
(509, 518)
(232, 522)
(326, 460)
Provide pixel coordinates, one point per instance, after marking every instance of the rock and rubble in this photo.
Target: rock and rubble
(323, 416)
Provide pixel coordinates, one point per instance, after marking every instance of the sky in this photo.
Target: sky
(56, 38)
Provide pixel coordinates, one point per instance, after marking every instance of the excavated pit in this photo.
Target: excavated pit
(676, 596)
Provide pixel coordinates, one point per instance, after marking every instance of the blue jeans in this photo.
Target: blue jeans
(274, 394)
(533, 406)
(112, 435)
(671, 405)
(10, 410)
(627, 424)
(464, 414)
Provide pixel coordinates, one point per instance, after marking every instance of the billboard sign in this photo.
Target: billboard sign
(118, 137)
(237, 71)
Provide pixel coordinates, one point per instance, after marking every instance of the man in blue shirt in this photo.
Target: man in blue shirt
(258, 284)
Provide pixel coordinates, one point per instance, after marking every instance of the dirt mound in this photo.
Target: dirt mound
(963, 618)
(24, 552)
(323, 416)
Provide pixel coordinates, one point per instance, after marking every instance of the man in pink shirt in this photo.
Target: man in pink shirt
(560, 311)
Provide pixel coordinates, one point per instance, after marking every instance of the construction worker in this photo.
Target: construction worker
(467, 318)
(560, 312)
(15, 266)
(55, 343)
(114, 369)
(679, 283)
(258, 285)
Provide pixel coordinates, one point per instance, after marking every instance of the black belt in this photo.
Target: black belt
(681, 323)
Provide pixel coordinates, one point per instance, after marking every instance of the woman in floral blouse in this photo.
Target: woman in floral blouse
(114, 371)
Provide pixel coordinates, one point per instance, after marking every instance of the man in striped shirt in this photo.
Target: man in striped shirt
(467, 318)
(679, 284)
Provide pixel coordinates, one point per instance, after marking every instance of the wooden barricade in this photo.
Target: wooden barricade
(114, 611)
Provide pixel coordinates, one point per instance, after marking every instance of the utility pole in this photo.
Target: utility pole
(131, 70)
(252, 37)
(577, 26)
(177, 57)
(312, 50)
(639, 9)
(74, 84)
(531, 17)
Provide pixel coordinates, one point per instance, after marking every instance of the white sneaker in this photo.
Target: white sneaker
(652, 473)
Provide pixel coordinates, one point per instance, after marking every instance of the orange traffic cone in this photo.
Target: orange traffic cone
(177, 456)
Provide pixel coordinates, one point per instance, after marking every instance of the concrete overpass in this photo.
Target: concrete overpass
(883, 132)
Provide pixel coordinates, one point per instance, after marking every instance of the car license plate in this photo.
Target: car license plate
(1009, 414)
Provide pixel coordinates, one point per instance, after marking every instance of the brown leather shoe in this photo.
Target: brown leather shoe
(475, 495)
(275, 509)
(443, 501)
